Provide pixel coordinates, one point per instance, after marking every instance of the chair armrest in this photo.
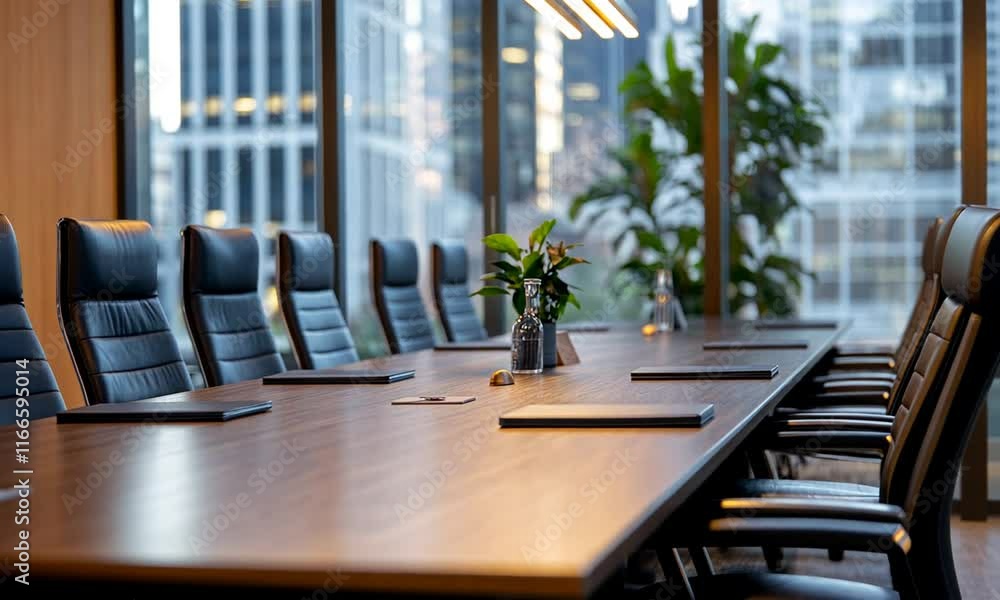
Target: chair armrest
(812, 508)
(863, 348)
(887, 537)
(828, 441)
(835, 423)
(832, 414)
(863, 363)
(849, 375)
(859, 385)
(839, 399)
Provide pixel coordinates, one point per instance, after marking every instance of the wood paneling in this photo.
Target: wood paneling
(58, 156)
(398, 498)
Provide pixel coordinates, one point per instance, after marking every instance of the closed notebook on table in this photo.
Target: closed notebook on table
(705, 372)
(796, 324)
(338, 376)
(485, 345)
(163, 412)
(755, 345)
(609, 415)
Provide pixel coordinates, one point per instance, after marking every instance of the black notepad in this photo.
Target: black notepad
(796, 324)
(755, 344)
(484, 345)
(335, 376)
(608, 415)
(585, 327)
(163, 412)
(705, 372)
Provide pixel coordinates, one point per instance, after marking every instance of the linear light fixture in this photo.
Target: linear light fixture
(617, 13)
(558, 16)
(591, 18)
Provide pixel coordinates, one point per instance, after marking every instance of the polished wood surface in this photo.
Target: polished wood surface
(59, 147)
(397, 498)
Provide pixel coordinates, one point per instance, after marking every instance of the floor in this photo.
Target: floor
(976, 546)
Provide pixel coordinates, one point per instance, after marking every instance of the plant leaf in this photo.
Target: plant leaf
(503, 243)
(540, 234)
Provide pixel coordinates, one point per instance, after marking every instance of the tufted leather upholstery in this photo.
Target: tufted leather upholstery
(18, 342)
(110, 313)
(451, 293)
(316, 327)
(229, 329)
(929, 299)
(394, 273)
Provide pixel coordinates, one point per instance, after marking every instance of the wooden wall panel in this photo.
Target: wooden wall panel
(58, 72)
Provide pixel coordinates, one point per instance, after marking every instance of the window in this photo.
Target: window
(412, 131)
(888, 162)
(563, 114)
(230, 145)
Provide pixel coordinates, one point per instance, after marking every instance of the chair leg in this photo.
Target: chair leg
(676, 584)
(762, 469)
(702, 561)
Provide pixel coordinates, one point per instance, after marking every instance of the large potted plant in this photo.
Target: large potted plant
(656, 196)
(541, 260)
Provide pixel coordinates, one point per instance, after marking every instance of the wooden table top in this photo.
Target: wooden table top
(336, 483)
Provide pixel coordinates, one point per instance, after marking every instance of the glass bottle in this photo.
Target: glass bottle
(663, 298)
(526, 338)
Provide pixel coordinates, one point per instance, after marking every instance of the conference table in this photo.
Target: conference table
(336, 489)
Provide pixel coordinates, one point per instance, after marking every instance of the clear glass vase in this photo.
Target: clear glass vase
(663, 301)
(526, 337)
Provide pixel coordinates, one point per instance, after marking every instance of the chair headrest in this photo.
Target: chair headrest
(11, 290)
(398, 260)
(452, 261)
(106, 260)
(929, 252)
(220, 261)
(307, 260)
(972, 257)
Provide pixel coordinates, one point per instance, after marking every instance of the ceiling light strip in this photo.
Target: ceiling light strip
(557, 16)
(617, 13)
(591, 18)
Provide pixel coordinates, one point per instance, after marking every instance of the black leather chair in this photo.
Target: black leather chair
(316, 327)
(451, 292)
(862, 392)
(18, 343)
(908, 516)
(229, 329)
(110, 313)
(394, 274)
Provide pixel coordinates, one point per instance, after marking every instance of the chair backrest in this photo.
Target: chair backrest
(972, 230)
(316, 327)
(929, 300)
(18, 343)
(451, 292)
(229, 329)
(394, 275)
(110, 313)
(966, 332)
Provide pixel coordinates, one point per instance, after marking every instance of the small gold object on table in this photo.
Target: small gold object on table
(502, 377)
(648, 329)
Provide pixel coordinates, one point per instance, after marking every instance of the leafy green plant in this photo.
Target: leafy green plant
(540, 260)
(657, 194)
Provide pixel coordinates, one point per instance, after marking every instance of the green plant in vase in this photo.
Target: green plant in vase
(541, 260)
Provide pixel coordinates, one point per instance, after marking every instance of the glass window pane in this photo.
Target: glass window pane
(887, 164)
(412, 141)
(229, 145)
